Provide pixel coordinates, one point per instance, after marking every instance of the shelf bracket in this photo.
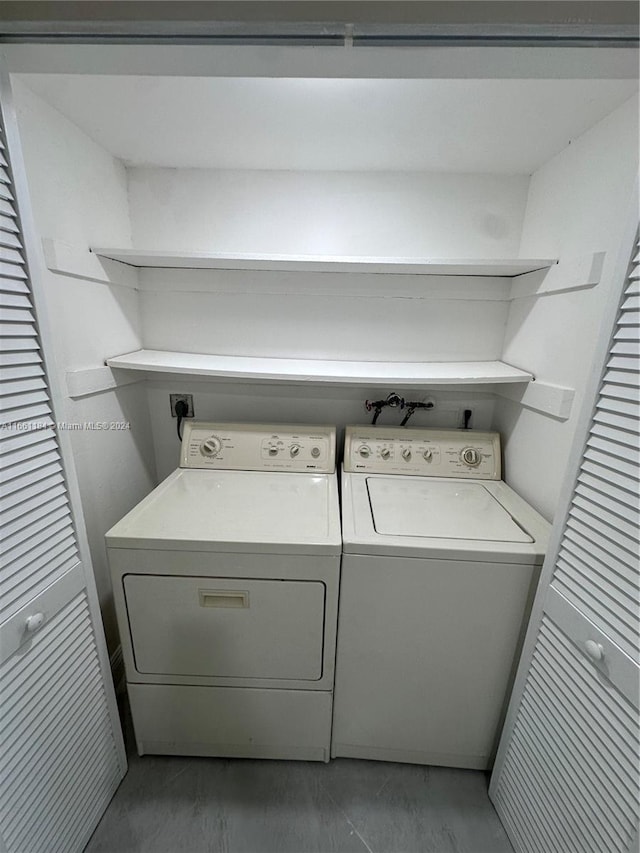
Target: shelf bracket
(544, 397)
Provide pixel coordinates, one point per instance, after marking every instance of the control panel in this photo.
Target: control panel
(425, 452)
(259, 447)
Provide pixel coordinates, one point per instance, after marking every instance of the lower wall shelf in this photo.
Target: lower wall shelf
(377, 373)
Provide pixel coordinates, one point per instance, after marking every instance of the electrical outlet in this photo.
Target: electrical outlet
(184, 398)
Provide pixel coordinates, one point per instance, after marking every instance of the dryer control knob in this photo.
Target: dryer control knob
(364, 451)
(211, 446)
(385, 453)
(427, 455)
(470, 456)
(315, 452)
(294, 450)
(406, 454)
(273, 451)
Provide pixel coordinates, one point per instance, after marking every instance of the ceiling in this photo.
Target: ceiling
(487, 126)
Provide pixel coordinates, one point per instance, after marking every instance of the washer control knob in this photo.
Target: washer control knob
(364, 451)
(315, 452)
(211, 446)
(385, 453)
(406, 454)
(427, 455)
(294, 450)
(470, 456)
(273, 451)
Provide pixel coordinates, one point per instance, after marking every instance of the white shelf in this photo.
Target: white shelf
(379, 373)
(323, 263)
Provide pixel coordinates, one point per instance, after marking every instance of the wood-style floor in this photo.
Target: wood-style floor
(208, 805)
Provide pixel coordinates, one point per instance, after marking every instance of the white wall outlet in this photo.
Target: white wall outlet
(184, 398)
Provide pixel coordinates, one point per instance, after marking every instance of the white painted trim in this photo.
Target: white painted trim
(545, 397)
(325, 263)
(568, 274)
(383, 374)
(95, 380)
(450, 63)
(80, 262)
(35, 260)
(616, 286)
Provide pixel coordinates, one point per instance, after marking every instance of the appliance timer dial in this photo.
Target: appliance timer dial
(211, 446)
(427, 455)
(364, 451)
(406, 454)
(385, 453)
(470, 456)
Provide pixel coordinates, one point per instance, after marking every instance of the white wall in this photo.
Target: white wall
(79, 196)
(324, 315)
(332, 213)
(578, 203)
(388, 318)
(321, 315)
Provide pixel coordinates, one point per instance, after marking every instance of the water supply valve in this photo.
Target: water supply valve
(393, 401)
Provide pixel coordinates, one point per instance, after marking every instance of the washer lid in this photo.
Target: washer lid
(440, 509)
(233, 511)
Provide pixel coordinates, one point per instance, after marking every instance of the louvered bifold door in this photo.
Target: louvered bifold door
(567, 772)
(61, 755)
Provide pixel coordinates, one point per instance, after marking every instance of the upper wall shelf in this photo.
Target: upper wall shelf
(324, 263)
(393, 373)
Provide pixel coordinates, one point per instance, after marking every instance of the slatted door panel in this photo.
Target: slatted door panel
(56, 747)
(566, 778)
(597, 566)
(61, 753)
(570, 782)
(37, 541)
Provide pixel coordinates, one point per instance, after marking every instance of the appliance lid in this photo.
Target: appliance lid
(197, 507)
(440, 509)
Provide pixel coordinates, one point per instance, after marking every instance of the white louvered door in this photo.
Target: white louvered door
(61, 750)
(566, 774)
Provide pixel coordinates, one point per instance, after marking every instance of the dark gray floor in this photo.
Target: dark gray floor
(208, 805)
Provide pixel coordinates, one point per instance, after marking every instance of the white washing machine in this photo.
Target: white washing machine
(225, 582)
(440, 561)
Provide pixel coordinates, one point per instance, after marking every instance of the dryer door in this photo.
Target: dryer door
(226, 627)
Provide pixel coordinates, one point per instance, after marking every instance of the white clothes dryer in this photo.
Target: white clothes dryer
(440, 562)
(225, 583)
